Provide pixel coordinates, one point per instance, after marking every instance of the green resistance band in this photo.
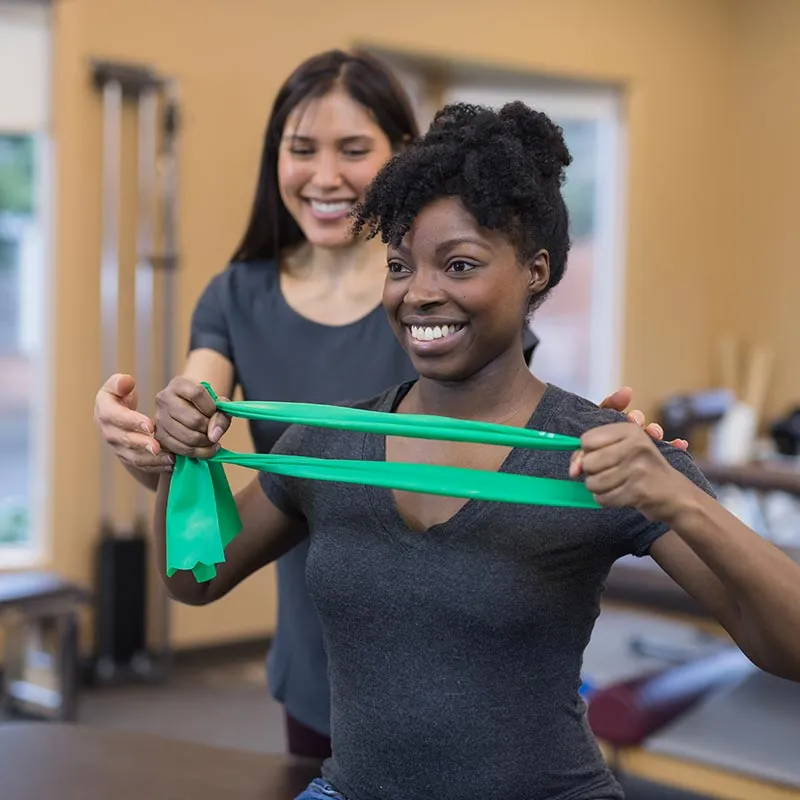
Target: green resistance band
(202, 518)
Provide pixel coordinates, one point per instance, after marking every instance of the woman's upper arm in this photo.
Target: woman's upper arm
(687, 569)
(210, 350)
(208, 365)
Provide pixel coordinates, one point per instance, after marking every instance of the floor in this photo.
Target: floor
(225, 704)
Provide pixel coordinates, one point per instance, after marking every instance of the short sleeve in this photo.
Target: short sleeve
(283, 491)
(640, 532)
(209, 327)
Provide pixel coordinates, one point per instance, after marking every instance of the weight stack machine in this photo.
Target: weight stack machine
(123, 648)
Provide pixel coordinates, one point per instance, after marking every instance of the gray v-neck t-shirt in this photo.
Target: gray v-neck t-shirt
(278, 354)
(455, 654)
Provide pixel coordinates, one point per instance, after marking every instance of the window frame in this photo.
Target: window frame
(34, 119)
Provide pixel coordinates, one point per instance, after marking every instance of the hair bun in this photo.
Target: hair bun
(540, 136)
(457, 120)
(475, 127)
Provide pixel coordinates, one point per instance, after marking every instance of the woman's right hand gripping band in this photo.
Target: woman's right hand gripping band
(187, 422)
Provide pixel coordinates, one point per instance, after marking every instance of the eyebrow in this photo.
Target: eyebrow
(447, 244)
(296, 139)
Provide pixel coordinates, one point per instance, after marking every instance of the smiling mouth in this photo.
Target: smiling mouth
(331, 208)
(430, 333)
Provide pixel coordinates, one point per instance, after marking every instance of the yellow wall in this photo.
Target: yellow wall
(764, 289)
(674, 58)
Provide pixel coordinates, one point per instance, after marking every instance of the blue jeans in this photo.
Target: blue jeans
(319, 789)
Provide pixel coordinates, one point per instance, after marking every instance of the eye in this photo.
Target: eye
(460, 267)
(356, 153)
(301, 152)
(397, 268)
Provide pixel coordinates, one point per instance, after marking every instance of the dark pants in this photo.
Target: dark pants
(305, 742)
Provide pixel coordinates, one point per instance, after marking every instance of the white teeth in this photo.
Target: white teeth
(331, 208)
(429, 333)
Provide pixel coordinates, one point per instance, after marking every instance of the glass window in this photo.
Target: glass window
(20, 249)
(579, 325)
(24, 292)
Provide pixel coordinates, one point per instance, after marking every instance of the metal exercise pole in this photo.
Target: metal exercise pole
(147, 90)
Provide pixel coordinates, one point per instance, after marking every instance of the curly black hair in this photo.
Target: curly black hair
(506, 167)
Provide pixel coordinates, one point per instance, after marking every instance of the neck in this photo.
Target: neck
(498, 393)
(335, 265)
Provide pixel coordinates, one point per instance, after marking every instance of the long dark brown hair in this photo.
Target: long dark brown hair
(271, 228)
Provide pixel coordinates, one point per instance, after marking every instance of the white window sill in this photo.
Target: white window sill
(21, 557)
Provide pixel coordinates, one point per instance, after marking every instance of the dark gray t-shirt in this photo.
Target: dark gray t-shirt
(278, 354)
(455, 654)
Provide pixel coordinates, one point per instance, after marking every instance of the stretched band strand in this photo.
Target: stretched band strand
(202, 518)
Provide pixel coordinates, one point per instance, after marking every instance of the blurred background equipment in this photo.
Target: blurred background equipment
(786, 433)
(39, 617)
(688, 416)
(122, 650)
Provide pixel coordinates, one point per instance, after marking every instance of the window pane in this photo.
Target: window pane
(20, 263)
(577, 325)
(564, 322)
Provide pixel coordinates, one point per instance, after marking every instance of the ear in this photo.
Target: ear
(539, 270)
(399, 148)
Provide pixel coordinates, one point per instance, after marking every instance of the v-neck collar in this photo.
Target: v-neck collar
(382, 502)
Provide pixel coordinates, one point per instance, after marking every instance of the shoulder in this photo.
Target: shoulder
(573, 415)
(243, 276)
(234, 289)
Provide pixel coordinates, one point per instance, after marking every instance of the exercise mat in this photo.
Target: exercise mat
(202, 518)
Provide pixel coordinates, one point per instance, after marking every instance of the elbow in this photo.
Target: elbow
(198, 595)
(784, 665)
(786, 668)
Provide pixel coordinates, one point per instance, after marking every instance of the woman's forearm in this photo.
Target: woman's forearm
(763, 580)
(266, 534)
(147, 479)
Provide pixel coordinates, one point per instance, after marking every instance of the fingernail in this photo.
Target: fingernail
(150, 449)
(216, 432)
(145, 427)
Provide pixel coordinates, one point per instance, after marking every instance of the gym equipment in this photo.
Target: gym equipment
(121, 619)
(202, 518)
(38, 614)
(682, 416)
(626, 713)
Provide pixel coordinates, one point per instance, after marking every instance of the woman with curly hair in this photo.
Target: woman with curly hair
(455, 629)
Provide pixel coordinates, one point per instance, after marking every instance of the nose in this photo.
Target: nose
(424, 290)
(327, 174)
